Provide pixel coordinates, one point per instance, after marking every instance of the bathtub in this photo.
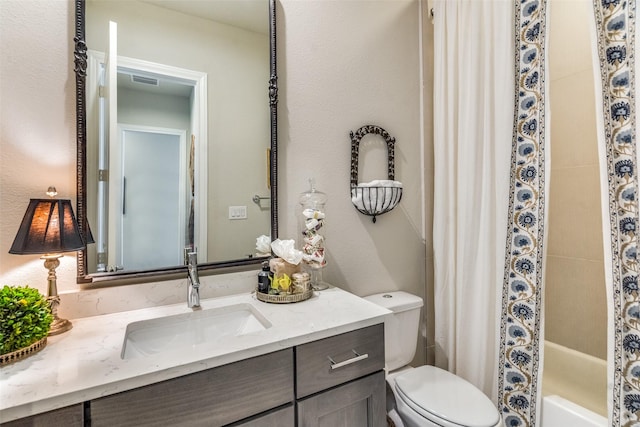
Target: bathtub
(560, 412)
(574, 388)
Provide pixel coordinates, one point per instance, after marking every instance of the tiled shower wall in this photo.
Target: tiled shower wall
(575, 305)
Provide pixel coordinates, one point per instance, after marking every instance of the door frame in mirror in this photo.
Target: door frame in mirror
(80, 68)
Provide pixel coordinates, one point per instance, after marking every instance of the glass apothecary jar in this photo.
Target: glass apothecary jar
(311, 237)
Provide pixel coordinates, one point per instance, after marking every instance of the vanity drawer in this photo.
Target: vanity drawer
(335, 360)
(214, 397)
(70, 416)
(282, 417)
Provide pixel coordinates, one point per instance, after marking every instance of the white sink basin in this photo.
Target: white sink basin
(187, 331)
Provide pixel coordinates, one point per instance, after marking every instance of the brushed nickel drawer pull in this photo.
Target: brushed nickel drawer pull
(359, 357)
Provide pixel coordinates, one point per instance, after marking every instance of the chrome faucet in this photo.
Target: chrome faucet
(193, 291)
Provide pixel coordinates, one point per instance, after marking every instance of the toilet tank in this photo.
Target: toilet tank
(400, 329)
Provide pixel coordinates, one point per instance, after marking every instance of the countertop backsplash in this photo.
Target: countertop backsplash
(115, 299)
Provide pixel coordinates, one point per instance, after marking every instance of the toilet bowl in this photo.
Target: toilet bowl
(430, 396)
(425, 396)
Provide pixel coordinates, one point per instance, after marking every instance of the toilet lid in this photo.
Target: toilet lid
(440, 396)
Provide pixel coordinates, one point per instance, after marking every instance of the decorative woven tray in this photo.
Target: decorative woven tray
(23, 353)
(285, 299)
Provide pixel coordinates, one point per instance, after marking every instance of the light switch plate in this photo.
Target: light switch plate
(237, 212)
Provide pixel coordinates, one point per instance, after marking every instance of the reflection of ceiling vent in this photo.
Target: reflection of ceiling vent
(144, 80)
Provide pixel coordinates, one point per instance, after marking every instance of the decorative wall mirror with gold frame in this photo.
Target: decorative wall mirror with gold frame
(87, 170)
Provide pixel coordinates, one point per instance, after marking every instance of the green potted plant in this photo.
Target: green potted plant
(25, 319)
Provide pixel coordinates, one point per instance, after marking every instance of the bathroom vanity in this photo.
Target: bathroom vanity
(315, 363)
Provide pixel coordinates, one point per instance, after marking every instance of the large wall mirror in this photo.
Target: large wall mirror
(177, 134)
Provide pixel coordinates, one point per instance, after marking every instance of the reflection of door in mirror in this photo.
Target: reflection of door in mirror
(222, 69)
(152, 220)
(149, 98)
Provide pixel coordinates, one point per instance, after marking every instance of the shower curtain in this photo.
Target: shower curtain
(491, 166)
(614, 68)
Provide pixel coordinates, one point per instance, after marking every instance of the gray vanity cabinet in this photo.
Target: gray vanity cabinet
(214, 397)
(70, 416)
(281, 417)
(359, 403)
(340, 380)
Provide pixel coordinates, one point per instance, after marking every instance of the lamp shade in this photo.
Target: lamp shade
(49, 226)
(88, 236)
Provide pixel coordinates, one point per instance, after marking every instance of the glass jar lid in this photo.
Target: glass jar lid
(313, 198)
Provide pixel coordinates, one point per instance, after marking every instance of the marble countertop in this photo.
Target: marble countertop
(84, 363)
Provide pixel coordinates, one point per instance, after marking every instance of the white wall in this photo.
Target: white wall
(37, 125)
(342, 64)
(136, 107)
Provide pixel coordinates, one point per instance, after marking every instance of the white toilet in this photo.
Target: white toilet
(425, 396)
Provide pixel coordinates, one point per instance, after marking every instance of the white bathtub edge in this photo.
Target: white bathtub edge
(560, 412)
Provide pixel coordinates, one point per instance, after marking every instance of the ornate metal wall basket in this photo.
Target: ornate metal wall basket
(379, 196)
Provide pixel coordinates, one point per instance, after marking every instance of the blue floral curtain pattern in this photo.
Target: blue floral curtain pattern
(615, 28)
(521, 321)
